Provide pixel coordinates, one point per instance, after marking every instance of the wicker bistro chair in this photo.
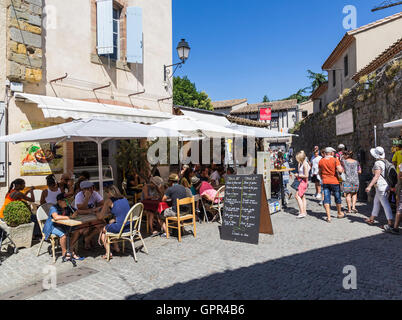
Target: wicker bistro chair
(134, 216)
(217, 203)
(42, 214)
(180, 221)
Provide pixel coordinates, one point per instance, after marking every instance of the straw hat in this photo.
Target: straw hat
(156, 181)
(174, 177)
(195, 180)
(329, 150)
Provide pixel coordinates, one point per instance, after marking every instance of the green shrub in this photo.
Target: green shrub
(17, 213)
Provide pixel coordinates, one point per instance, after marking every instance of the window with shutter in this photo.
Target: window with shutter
(104, 26)
(2, 145)
(134, 35)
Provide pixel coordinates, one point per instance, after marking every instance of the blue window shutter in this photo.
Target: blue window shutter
(2, 145)
(104, 26)
(134, 35)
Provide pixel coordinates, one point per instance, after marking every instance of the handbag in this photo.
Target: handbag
(295, 185)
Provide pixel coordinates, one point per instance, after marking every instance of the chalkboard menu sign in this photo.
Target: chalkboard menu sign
(245, 211)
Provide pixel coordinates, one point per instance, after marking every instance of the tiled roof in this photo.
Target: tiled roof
(349, 38)
(319, 91)
(227, 103)
(275, 105)
(247, 122)
(383, 58)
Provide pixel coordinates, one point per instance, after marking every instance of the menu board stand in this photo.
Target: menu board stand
(246, 211)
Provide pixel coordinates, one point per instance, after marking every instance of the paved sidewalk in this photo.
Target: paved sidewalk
(304, 259)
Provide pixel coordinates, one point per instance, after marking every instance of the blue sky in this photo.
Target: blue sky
(246, 49)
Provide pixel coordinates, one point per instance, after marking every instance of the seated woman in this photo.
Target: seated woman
(49, 195)
(119, 207)
(15, 194)
(152, 191)
(185, 176)
(207, 191)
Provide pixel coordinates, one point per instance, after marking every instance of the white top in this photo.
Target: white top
(301, 168)
(52, 196)
(381, 184)
(93, 200)
(315, 169)
(215, 176)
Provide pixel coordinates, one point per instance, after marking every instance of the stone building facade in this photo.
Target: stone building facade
(51, 49)
(373, 106)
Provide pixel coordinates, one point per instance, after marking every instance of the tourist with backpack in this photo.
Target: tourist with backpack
(383, 180)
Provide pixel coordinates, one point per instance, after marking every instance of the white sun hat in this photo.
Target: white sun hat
(378, 153)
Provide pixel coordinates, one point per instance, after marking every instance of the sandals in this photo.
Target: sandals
(354, 211)
(341, 217)
(105, 256)
(369, 221)
(327, 220)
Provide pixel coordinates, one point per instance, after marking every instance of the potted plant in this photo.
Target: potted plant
(17, 223)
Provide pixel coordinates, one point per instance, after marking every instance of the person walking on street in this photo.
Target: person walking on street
(302, 177)
(341, 151)
(351, 183)
(381, 187)
(315, 177)
(329, 167)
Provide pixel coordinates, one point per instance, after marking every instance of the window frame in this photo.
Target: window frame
(346, 65)
(334, 78)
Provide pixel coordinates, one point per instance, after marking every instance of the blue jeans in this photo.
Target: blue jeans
(335, 189)
(285, 186)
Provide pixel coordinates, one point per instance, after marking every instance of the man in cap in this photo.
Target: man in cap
(174, 192)
(86, 199)
(328, 169)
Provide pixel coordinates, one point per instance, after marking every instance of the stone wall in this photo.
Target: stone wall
(24, 41)
(379, 104)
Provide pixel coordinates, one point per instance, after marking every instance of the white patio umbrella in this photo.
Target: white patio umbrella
(194, 127)
(97, 130)
(259, 132)
(393, 124)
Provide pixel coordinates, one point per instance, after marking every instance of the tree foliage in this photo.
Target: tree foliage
(299, 96)
(265, 99)
(317, 79)
(185, 94)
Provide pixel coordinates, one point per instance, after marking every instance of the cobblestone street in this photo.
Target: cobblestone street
(304, 259)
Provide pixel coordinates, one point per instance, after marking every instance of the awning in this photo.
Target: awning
(394, 124)
(53, 107)
(210, 118)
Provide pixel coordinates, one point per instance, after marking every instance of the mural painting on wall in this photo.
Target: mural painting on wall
(39, 159)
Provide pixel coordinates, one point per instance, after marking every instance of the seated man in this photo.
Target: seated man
(174, 192)
(62, 211)
(152, 193)
(88, 198)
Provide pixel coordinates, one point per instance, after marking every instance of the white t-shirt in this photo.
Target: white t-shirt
(381, 184)
(315, 169)
(93, 200)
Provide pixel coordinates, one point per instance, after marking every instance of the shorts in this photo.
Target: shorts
(335, 189)
(314, 179)
(57, 232)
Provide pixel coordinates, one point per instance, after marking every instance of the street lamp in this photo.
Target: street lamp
(183, 51)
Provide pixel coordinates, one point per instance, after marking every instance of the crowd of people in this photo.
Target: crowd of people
(336, 173)
(69, 198)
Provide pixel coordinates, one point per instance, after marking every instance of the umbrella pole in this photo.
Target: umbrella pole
(100, 165)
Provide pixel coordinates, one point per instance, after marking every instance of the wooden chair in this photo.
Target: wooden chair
(217, 203)
(134, 216)
(179, 221)
(42, 214)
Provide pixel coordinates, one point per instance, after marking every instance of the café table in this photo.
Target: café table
(281, 189)
(75, 223)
